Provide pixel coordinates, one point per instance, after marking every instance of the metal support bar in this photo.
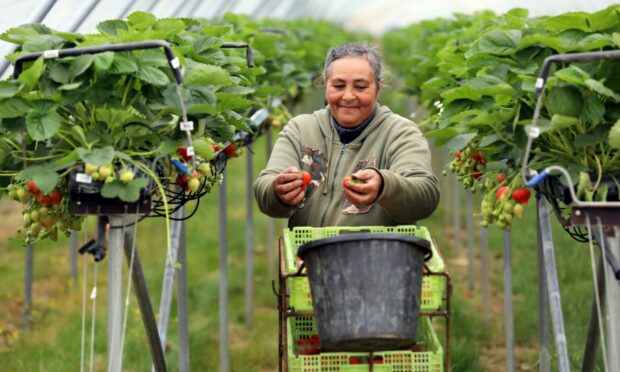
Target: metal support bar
(144, 303)
(167, 288)
(469, 221)
(182, 303)
(457, 210)
(73, 257)
(28, 286)
(115, 293)
(271, 243)
(543, 300)
(223, 263)
(611, 245)
(249, 241)
(593, 335)
(484, 248)
(553, 289)
(508, 313)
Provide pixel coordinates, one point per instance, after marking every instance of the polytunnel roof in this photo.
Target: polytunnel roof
(374, 16)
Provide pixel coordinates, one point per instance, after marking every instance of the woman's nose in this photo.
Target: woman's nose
(348, 94)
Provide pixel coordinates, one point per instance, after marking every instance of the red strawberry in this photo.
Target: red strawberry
(476, 174)
(34, 190)
(306, 178)
(55, 197)
(501, 177)
(354, 360)
(457, 154)
(229, 151)
(501, 191)
(45, 200)
(182, 151)
(521, 195)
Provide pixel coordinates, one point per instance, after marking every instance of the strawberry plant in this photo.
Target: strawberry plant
(113, 117)
(477, 93)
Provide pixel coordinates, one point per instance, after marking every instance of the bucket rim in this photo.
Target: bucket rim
(419, 242)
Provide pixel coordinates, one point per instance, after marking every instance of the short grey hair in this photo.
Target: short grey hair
(355, 50)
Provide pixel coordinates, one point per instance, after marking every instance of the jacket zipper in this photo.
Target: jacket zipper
(334, 178)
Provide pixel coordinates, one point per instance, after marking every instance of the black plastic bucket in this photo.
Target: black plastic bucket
(366, 289)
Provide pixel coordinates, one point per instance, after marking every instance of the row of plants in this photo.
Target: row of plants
(112, 119)
(473, 78)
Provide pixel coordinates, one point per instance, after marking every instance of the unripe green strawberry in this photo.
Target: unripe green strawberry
(90, 168)
(22, 195)
(105, 171)
(518, 210)
(205, 169)
(34, 216)
(127, 175)
(193, 184)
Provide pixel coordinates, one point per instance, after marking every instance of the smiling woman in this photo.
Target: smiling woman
(353, 136)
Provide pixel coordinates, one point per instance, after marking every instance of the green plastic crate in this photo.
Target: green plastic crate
(433, 286)
(429, 360)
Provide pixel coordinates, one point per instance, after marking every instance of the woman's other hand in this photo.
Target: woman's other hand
(366, 191)
(288, 186)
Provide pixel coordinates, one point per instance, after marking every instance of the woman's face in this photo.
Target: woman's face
(351, 90)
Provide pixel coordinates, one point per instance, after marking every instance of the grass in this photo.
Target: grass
(53, 344)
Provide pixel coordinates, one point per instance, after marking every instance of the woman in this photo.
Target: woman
(385, 155)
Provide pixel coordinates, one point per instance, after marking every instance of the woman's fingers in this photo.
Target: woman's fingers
(287, 186)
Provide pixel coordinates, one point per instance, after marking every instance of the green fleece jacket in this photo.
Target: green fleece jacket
(390, 144)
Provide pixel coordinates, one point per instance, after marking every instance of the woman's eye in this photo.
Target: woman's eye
(360, 87)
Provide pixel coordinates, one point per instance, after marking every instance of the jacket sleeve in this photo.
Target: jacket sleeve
(285, 154)
(410, 189)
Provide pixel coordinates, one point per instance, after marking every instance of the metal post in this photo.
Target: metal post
(168, 281)
(543, 301)
(249, 241)
(508, 313)
(457, 211)
(89, 9)
(593, 336)
(115, 293)
(553, 289)
(182, 305)
(223, 276)
(271, 242)
(445, 190)
(28, 286)
(484, 250)
(144, 303)
(612, 290)
(470, 239)
(73, 256)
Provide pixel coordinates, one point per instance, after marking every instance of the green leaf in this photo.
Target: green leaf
(614, 136)
(152, 75)
(487, 140)
(498, 42)
(593, 110)
(604, 19)
(123, 65)
(59, 73)
(232, 102)
(80, 64)
(141, 20)
(8, 89)
(13, 107)
(122, 155)
(103, 61)
(111, 190)
(66, 161)
(130, 192)
(601, 89)
(568, 21)
(207, 75)
(45, 177)
(98, 156)
(43, 122)
(112, 26)
(560, 121)
(71, 86)
(30, 76)
(573, 74)
(460, 141)
(205, 42)
(565, 101)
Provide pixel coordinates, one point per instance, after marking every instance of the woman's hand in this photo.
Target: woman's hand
(365, 192)
(288, 186)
